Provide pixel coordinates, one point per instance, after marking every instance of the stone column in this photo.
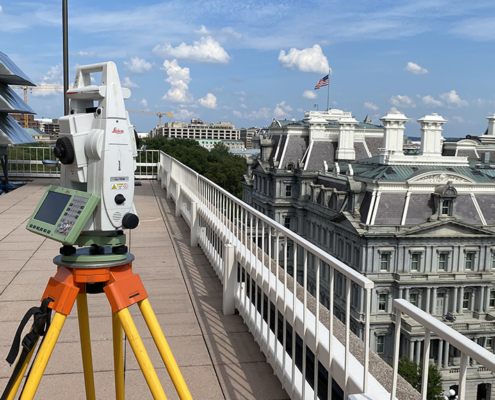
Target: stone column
(487, 299)
(400, 293)
(461, 298)
(454, 308)
(434, 302)
(440, 353)
(481, 303)
(418, 352)
(446, 354)
(411, 350)
(427, 305)
(406, 294)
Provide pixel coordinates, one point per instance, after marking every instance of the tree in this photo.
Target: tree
(413, 372)
(218, 165)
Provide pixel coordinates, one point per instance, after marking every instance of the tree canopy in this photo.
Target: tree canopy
(218, 165)
(413, 372)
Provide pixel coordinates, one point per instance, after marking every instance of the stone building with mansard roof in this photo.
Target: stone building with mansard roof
(422, 226)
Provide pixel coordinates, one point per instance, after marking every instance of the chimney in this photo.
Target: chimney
(345, 150)
(431, 135)
(393, 138)
(491, 125)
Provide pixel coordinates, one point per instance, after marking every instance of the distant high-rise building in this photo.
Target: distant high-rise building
(247, 136)
(197, 129)
(32, 123)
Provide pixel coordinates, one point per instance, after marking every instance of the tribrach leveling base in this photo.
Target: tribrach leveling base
(123, 288)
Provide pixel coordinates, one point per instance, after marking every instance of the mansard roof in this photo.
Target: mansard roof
(370, 169)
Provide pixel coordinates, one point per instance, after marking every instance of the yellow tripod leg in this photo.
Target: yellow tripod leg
(118, 357)
(141, 355)
(43, 357)
(164, 349)
(87, 357)
(18, 380)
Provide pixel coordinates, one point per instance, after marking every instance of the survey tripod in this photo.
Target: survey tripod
(71, 284)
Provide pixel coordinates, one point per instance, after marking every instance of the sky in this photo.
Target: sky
(249, 61)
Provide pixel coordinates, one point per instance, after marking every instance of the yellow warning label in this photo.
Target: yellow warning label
(120, 186)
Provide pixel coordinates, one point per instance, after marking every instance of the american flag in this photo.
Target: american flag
(322, 82)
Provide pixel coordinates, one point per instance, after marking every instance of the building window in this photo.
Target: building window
(384, 261)
(382, 302)
(288, 191)
(287, 222)
(380, 344)
(466, 301)
(356, 257)
(415, 261)
(492, 299)
(413, 299)
(469, 260)
(446, 207)
(489, 343)
(493, 260)
(348, 252)
(442, 261)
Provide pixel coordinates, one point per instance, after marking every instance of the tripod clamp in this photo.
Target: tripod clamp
(41, 324)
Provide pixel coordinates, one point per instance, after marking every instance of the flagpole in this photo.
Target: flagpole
(328, 95)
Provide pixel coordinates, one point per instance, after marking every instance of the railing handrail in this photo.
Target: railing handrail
(325, 257)
(461, 342)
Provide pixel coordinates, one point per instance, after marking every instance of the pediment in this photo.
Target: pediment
(439, 177)
(446, 229)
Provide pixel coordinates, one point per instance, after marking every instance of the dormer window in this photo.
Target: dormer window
(446, 207)
(445, 196)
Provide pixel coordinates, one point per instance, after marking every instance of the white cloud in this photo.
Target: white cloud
(310, 94)
(430, 101)
(300, 110)
(262, 113)
(240, 93)
(202, 30)
(179, 79)
(128, 83)
(282, 110)
(458, 119)
(205, 50)
(85, 54)
(183, 114)
(479, 102)
(138, 65)
(394, 110)
(144, 102)
(415, 68)
(53, 77)
(243, 106)
(209, 101)
(370, 106)
(238, 114)
(311, 59)
(452, 99)
(402, 101)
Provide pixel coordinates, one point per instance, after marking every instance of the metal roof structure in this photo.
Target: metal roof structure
(11, 132)
(11, 74)
(10, 102)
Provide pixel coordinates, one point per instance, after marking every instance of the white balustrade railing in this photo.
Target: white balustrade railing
(252, 255)
(433, 326)
(26, 162)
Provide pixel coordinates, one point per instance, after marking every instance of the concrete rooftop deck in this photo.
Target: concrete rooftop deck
(216, 354)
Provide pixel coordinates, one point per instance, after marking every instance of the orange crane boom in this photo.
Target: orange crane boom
(159, 113)
(42, 87)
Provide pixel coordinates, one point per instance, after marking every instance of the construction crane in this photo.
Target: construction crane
(153, 112)
(42, 87)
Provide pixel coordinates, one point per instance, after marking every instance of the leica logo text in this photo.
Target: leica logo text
(115, 130)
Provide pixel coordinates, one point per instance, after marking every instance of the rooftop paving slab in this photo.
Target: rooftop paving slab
(218, 358)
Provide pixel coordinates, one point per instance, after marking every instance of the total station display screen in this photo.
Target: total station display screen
(53, 206)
